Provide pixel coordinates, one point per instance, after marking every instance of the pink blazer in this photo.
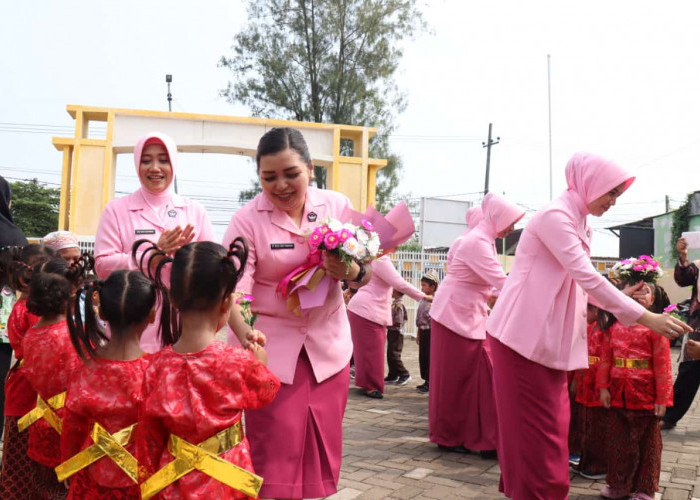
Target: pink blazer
(460, 302)
(541, 311)
(277, 247)
(373, 301)
(130, 218)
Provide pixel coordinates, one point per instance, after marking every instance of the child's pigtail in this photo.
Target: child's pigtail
(79, 270)
(86, 336)
(236, 259)
(168, 328)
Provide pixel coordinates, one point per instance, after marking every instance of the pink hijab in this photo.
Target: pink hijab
(474, 216)
(591, 176)
(156, 199)
(499, 214)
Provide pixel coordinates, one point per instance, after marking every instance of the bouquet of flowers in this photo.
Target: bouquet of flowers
(248, 315)
(631, 271)
(349, 241)
(364, 237)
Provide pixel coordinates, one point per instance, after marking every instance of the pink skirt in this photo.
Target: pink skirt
(533, 423)
(461, 406)
(368, 340)
(296, 442)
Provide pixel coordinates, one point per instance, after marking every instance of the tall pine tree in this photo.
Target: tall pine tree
(331, 61)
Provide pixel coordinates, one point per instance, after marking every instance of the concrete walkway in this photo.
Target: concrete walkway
(387, 454)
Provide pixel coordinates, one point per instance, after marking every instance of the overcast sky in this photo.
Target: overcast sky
(625, 81)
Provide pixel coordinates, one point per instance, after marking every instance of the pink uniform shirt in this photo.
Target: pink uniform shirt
(276, 247)
(541, 311)
(460, 302)
(132, 218)
(373, 301)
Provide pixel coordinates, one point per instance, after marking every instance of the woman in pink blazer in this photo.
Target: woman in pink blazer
(153, 212)
(296, 442)
(369, 312)
(462, 411)
(538, 329)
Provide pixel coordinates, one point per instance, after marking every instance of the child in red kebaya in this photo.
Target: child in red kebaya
(197, 388)
(17, 479)
(594, 449)
(50, 362)
(635, 380)
(104, 398)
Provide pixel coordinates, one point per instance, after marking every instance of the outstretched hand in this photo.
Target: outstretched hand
(664, 324)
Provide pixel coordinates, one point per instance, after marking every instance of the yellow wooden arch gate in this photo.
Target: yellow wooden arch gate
(87, 180)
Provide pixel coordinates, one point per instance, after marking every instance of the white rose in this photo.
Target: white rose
(335, 225)
(350, 227)
(362, 236)
(351, 247)
(373, 245)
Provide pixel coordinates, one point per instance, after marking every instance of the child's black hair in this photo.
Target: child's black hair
(661, 300)
(21, 262)
(202, 274)
(126, 298)
(49, 288)
(429, 282)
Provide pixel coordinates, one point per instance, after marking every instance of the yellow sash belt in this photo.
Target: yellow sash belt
(203, 457)
(45, 410)
(592, 360)
(632, 363)
(106, 444)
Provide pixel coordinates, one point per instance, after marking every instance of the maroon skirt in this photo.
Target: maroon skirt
(296, 442)
(368, 341)
(461, 406)
(532, 402)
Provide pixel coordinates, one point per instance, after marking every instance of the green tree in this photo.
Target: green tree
(35, 207)
(329, 61)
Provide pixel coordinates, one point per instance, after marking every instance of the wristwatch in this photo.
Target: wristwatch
(361, 273)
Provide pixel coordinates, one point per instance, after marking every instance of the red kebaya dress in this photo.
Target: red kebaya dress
(16, 481)
(636, 368)
(107, 392)
(50, 362)
(194, 396)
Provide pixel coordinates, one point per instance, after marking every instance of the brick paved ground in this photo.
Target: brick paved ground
(386, 453)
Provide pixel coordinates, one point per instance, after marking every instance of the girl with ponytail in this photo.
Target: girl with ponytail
(197, 387)
(104, 397)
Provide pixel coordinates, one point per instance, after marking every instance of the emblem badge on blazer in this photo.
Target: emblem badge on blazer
(312, 216)
(172, 213)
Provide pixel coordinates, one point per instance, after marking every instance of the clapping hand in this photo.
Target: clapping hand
(172, 239)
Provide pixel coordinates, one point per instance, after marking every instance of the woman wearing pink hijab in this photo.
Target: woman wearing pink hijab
(538, 329)
(153, 212)
(461, 408)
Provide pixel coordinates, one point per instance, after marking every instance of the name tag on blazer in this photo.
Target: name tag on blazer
(281, 246)
(145, 231)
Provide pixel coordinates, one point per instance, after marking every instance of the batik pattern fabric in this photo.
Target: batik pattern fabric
(50, 363)
(194, 396)
(109, 393)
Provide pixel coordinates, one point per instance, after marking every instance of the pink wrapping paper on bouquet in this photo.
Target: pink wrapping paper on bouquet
(394, 228)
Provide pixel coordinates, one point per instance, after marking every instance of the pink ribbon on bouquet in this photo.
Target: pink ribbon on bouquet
(307, 285)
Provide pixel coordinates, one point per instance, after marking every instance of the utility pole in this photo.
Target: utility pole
(668, 204)
(169, 80)
(488, 145)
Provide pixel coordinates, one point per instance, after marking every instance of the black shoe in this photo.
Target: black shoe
(423, 388)
(391, 380)
(667, 426)
(374, 394)
(403, 380)
(489, 454)
(454, 449)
